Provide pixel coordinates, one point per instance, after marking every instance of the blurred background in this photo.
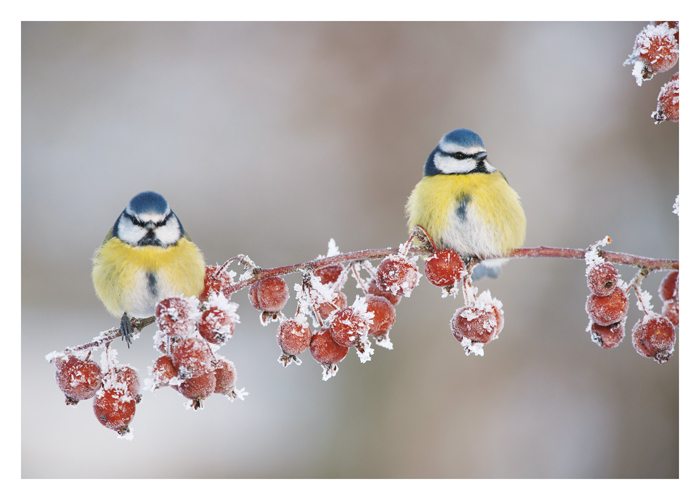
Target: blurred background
(271, 138)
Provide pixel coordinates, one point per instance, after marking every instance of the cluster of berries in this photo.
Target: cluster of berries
(656, 51)
(653, 335)
(115, 388)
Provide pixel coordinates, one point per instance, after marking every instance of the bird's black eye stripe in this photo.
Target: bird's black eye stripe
(462, 156)
(140, 223)
(134, 220)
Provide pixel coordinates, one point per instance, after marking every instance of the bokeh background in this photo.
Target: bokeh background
(270, 138)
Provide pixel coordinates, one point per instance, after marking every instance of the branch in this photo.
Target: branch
(372, 254)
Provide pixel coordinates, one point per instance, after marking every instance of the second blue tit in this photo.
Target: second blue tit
(464, 203)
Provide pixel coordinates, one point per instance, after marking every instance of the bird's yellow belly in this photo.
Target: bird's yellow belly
(475, 214)
(134, 279)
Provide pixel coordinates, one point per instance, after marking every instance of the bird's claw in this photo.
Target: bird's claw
(126, 329)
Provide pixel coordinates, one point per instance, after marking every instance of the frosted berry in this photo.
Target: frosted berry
(655, 51)
(670, 311)
(325, 309)
(329, 274)
(654, 337)
(348, 327)
(397, 275)
(609, 336)
(216, 281)
(163, 372)
(327, 353)
(606, 310)
(216, 325)
(176, 316)
(192, 357)
(269, 294)
(374, 289)
(114, 409)
(198, 388)
(293, 337)
(129, 377)
(78, 378)
(668, 289)
(384, 315)
(444, 268)
(225, 377)
(602, 279)
(667, 103)
(477, 325)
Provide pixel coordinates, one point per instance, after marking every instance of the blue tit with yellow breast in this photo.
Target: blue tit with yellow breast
(146, 257)
(467, 205)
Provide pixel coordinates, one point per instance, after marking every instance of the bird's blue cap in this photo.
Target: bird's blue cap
(147, 202)
(463, 137)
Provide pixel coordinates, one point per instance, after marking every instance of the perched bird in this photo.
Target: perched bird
(146, 257)
(466, 204)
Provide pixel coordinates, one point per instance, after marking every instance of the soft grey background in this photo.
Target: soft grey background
(271, 138)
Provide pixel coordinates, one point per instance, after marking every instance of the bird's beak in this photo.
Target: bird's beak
(150, 226)
(480, 156)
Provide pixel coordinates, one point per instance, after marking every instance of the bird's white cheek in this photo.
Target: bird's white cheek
(129, 232)
(170, 233)
(450, 165)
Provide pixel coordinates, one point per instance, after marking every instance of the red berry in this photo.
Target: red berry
(325, 309)
(163, 372)
(225, 377)
(329, 274)
(192, 357)
(654, 337)
(606, 310)
(293, 337)
(348, 327)
(374, 289)
(78, 378)
(384, 315)
(198, 388)
(670, 311)
(477, 325)
(397, 275)
(216, 280)
(176, 316)
(269, 294)
(669, 286)
(609, 336)
(325, 350)
(114, 408)
(444, 268)
(129, 377)
(667, 103)
(216, 325)
(602, 279)
(655, 51)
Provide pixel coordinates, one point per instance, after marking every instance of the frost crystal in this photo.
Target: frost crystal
(675, 206)
(475, 348)
(644, 301)
(385, 342)
(220, 301)
(592, 256)
(333, 249)
(329, 371)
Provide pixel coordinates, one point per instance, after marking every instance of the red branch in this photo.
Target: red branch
(361, 255)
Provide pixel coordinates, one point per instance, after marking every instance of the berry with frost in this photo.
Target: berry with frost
(129, 377)
(198, 388)
(329, 274)
(667, 103)
(384, 315)
(78, 378)
(192, 357)
(176, 316)
(398, 275)
(217, 280)
(609, 336)
(670, 311)
(269, 294)
(602, 279)
(655, 51)
(444, 268)
(478, 325)
(216, 325)
(654, 337)
(293, 337)
(325, 309)
(668, 289)
(163, 372)
(374, 289)
(327, 352)
(225, 374)
(606, 310)
(114, 408)
(348, 327)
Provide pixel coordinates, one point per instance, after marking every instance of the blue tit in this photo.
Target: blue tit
(465, 204)
(146, 257)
